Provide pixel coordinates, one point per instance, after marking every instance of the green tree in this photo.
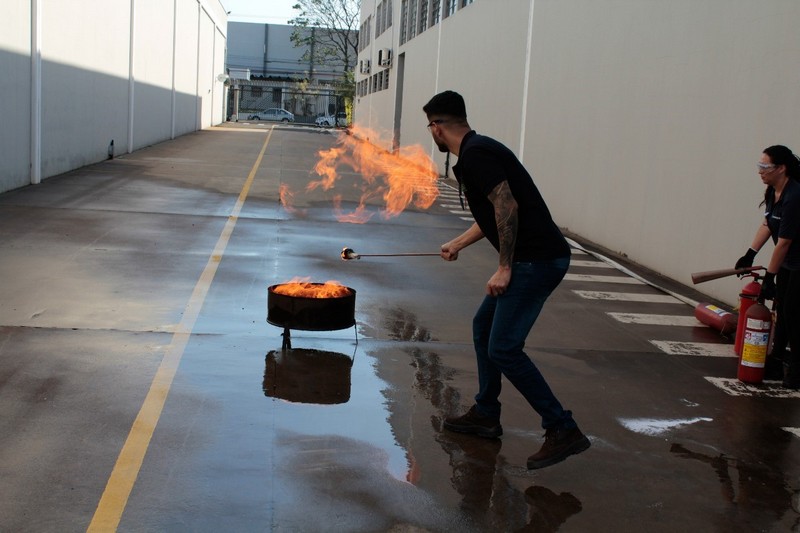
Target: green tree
(328, 30)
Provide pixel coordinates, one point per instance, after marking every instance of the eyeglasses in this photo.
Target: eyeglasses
(437, 121)
(765, 167)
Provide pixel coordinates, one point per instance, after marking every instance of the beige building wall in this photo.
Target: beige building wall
(640, 120)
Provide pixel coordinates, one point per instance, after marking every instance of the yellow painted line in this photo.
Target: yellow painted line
(129, 462)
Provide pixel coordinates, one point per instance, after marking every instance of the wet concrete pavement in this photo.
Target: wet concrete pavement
(142, 388)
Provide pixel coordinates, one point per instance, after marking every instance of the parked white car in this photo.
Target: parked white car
(275, 114)
(329, 120)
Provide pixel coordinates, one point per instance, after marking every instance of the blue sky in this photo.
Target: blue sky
(264, 11)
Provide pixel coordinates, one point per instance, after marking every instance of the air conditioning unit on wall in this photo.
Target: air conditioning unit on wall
(385, 57)
(364, 68)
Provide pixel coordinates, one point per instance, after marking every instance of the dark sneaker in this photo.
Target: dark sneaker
(558, 445)
(475, 423)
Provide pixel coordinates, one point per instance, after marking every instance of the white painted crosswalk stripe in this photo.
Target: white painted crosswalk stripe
(628, 297)
(656, 320)
(602, 279)
(768, 389)
(590, 264)
(706, 349)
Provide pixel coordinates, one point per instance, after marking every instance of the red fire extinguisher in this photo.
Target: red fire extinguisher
(715, 317)
(747, 297)
(757, 329)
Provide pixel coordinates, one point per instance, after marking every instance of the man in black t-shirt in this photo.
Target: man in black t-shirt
(533, 259)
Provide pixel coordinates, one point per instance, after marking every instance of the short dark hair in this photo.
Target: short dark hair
(448, 103)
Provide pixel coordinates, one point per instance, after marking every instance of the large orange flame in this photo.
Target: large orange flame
(303, 288)
(405, 178)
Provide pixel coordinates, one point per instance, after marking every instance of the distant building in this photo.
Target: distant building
(267, 71)
(268, 52)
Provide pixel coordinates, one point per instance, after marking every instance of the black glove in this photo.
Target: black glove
(767, 287)
(746, 260)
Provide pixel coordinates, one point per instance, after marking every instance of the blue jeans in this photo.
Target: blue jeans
(499, 330)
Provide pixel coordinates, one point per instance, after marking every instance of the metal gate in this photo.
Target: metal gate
(307, 103)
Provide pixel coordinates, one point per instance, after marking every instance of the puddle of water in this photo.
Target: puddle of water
(328, 393)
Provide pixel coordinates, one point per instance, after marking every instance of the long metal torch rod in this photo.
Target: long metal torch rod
(397, 255)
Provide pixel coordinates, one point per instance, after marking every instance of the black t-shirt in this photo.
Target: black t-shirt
(484, 163)
(783, 220)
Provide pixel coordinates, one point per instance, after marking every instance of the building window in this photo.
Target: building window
(450, 7)
(388, 13)
(363, 33)
(436, 11)
(423, 15)
(386, 79)
(256, 92)
(412, 18)
(403, 21)
(276, 95)
(465, 3)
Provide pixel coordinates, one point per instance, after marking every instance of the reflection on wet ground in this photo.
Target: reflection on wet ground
(308, 376)
(402, 325)
(480, 471)
(750, 488)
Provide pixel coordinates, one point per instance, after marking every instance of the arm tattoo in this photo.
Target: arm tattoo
(505, 214)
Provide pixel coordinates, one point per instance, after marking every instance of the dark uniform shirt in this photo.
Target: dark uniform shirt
(484, 163)
(783, 220)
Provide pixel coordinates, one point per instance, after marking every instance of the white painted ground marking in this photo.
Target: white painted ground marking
(628, 297)
(768, 389)
(703, 349)
(794, 431)
(602, 279)
(575, 251)
(451, 206)
(468, 219)
(656, 320)
(592, 264)
(654, 427)
(621, 268)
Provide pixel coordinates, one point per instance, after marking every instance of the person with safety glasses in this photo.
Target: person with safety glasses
(534, 256)
(779, 170)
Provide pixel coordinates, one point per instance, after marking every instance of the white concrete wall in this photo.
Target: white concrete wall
(108, 71)
(647, 119)
(15, 104)
(640, 120)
